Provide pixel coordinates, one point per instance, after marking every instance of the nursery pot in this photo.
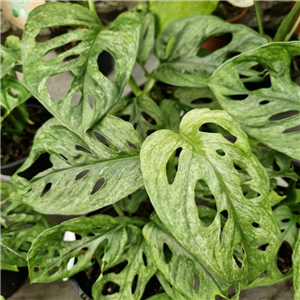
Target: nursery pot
(218, 42)
(11, 167)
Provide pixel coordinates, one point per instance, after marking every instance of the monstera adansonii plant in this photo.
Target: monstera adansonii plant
(210, 170)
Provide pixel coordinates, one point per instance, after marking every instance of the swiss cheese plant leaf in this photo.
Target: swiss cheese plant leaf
(147, 39)
(8, 60)
(212, 158)
(168, 11)
(188, 66)
(87, 174)
(133, 278)
(281, 266)
(114, 244)
(191, 98)
(184, 271)
(13, 93)
(269, 112)
(97, 93)
(20, 226)
(296, 263)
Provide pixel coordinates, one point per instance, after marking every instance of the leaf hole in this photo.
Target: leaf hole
(107, 143)
(249, 193)
(56, 253)
(63, 156)
(284, 115)
(224, 213)
(90, 101)
(196, 283)
(255, 225)
(239, 97)
(214, 42)
(57, 91)
(53, 271)
(131, 145)
(144, 259)
(263, 247)
(264, 102)
(292, 129)
(110, 288)
(168, 254)
(297, 225)
(285, 220)
(148, 118)
(83, 149)
(46, 189)
(202, 101)
(284, 258)
(232, 54)
(262, 275)
(220, 152)
(12, 92)
(134, 284)
(117, 269)
(149, 132)
(36, 269)
(76, 97)
(98, 185)
(171, 172)
(106, 63)
(231, 292)
(82, 174)
(125, 117)
(238, 255)
(91, 234)
(217, 130)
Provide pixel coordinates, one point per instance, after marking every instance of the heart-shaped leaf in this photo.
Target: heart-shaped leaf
(211, 158)
(88, 173)
(184, 271)
(20, 226)
(268, 114)
(188, 66)
(281, 267)
(97, 93)
(99, 237)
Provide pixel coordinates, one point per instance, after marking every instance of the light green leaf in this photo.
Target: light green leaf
(138, 271)
(210, 157)
(287, 222)
(20, 226)
(191, 98)
(260, 113)
(2, 298)
(97, 93)
(8, 60)
(186, 66)
(296, 264)
(13, 43)
(168, 11)
(171, 111)
(147, 39)
(13, 93)
(86, 173)
(184, 271)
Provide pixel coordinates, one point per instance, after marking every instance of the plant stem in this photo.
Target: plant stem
(118, 209)
(288, 36)
(149, 85)
(17, 125)
(93, 9)
(136, 90)
(11, 250)
(258, 17)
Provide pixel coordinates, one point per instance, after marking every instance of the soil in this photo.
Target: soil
(226, 11)
(14, 150)
(284, 258)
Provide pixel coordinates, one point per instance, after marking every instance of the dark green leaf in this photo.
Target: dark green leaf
(269, 115)
(210, 157)
(120, 38)
(185, 66)
(88, 173)
(132, 202)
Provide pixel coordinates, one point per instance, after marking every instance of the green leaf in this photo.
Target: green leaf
(168, 11)
(296, 264)
(13, 43)
(181, 268)
(8, 60)
(147, 39)
(162, 296)
(260, 111)
(186, 66)
(120, 38)
(287, 222)
(13, 93)
(20, 226)
(210, 157)
(191, 98)
(86, 174)
(138, 271)
(2, 298)
(116, 242)
(132, 202)
(171, 111)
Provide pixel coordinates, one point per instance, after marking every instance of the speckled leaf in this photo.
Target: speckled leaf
(147, 39)
(296, 263)
(11, 99)
(171, 111)
(183, 65)
(191, 98)
(183, 270)
(168, 11)
(97, 93)
(210, 157)
(288, 223)
(86, 174)
(134, 277)
(20, 226)
(271, 114)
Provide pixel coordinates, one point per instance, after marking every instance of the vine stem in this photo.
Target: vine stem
(288, 36)
(136, 90)
(258, 17)
(93, 9)
(118, 209)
